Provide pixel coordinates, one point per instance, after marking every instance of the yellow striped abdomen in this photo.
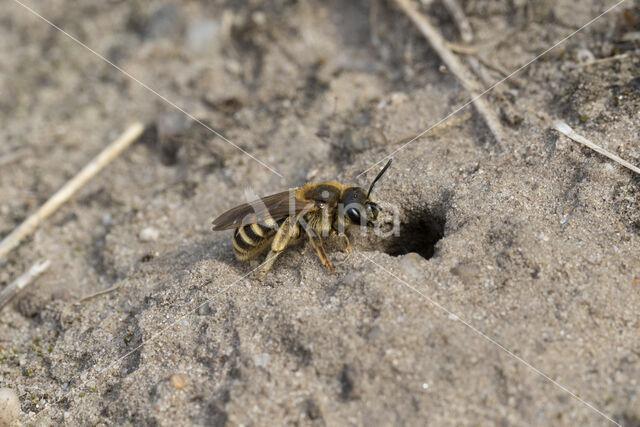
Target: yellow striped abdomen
(251, 240)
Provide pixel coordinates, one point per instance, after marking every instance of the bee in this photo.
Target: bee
(313, 210)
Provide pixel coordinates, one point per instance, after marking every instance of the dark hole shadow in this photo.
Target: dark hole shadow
(419, 234)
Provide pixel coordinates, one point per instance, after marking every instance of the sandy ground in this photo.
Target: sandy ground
(532, 241)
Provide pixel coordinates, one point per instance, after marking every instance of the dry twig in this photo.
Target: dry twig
(469, 49)
(566, 130)
(100, 293)
(454, 65)
(460, 19)
(70, 188)
(15, 287)
(476, 63)
(607, 59)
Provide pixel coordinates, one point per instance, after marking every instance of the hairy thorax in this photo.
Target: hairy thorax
(321, 221)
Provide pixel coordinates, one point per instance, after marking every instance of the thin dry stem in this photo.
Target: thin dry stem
(608, 59)
(473, 49)
(566, 130)
(100, 293)
(454, 65)
(18, 285)
(460, 19)
(70, 188)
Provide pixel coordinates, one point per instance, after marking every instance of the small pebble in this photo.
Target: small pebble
(171, 124)
(178, 381)
(259, 18)
(398, 98)
(149, 234)
(410, 264)
(106, 219)
(584, 56)
(620, 377)
(233, 66)
(261, 359)
(203, 36)
(9, 407)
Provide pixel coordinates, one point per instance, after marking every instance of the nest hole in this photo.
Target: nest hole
(419, 234)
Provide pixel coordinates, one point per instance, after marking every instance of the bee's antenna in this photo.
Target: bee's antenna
(378, 177)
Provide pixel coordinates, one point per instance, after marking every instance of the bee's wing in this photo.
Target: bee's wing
(265, 211)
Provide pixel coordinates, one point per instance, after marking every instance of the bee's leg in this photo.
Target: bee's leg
(316, 242)
(278, 244)
(347, 244)
(338, 225)
(271, 258)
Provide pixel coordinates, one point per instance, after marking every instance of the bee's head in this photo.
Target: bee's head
(359, 208)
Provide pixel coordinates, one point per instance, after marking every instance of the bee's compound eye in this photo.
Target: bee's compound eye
(353, 214)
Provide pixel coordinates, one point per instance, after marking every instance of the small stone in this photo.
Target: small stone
(203, 36)
(259, 18)
(9, 407)
(398, 98)
(620, 377)
(584, 56)
(106, 219)
(233, 66)
(178, 381)
(410, 264)
(171, 124)
(149, 234)
(261, 359)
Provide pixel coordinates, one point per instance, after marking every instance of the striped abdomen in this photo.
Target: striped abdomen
(251, 240)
